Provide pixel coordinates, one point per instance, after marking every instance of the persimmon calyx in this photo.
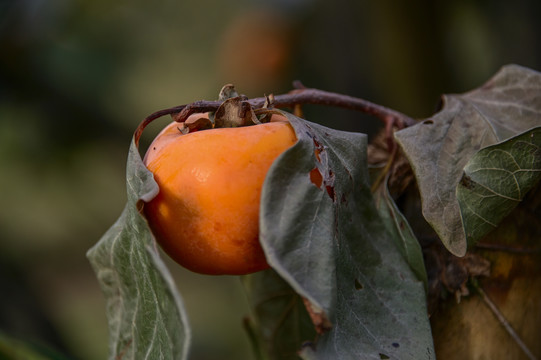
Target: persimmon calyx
(194, 123)
(228, 91)
(235, 112)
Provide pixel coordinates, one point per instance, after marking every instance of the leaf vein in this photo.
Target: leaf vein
(480, 217)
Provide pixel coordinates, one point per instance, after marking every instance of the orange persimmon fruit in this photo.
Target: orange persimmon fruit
(206, 214)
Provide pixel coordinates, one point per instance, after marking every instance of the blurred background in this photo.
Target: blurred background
(76, 77)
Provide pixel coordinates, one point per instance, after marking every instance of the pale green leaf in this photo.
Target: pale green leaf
(145, 313)
(332, 248)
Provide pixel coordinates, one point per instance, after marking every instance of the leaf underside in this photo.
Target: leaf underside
(333, 249)
(440, 147)
(145, 314)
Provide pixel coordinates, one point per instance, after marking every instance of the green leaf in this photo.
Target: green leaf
(438, 148)
(279, 321)
(495, 180)
(145, 313)
(398, 226)
(332, 248)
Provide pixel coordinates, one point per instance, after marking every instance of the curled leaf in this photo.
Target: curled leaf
(145, 314)
(439, 148)
(401, 232)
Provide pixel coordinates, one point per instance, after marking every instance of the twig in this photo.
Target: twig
(508, 248)
(503, 321)
(150, 118)
(299, 96)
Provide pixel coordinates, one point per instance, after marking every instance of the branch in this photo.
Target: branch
(299, 96)
(503, 321)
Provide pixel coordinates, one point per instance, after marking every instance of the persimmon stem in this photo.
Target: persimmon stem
(299, 96)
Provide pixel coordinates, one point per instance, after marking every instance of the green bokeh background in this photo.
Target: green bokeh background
(76, 77)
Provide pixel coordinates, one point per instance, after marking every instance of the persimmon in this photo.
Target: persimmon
(206, 214)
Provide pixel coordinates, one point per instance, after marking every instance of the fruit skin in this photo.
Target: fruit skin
(206, 215)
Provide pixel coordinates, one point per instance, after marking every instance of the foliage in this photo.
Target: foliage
(330, 245)
(496, 180)
(342, 257)
(146, 315)
(440, 147)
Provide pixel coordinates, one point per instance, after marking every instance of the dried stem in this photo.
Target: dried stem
(503, 321)
(509, 248)
(299, 96)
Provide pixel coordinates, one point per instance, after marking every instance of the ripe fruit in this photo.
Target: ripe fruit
(206, 215)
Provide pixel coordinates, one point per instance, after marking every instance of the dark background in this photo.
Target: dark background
(76, 77)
